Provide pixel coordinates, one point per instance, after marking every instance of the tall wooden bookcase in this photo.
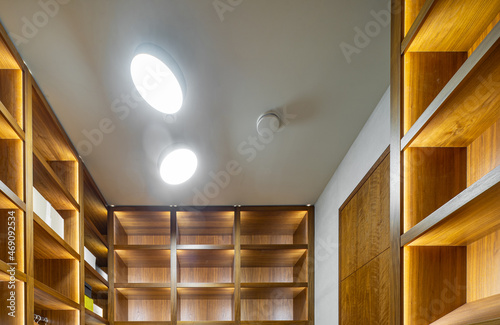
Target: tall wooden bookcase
(445, 194)
(217, 265)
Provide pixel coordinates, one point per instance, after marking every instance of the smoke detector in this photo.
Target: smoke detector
(270, 121)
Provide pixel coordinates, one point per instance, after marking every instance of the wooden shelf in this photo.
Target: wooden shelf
(142, 266)
(142, 285)
(205, 304)
(142, 323)
(273, 226)
(205, 227)
(51, 187)
(473, 312)
(271, 258)
(94, 279)
(9, 129)
(205, 258)
(141, 247)
(95, 243)
(9, 199)
(457, 115)
(48, 244)
(205, 247)
(145, 293)
(142, 228)
(282, 322)
(48, 298)
(49, 138)
(142, 305)
(450, 25)
(92, 318)
(206, 322)
(467, 217)
(4, 273)
(94, 205)
(274, 285)
(205, 285)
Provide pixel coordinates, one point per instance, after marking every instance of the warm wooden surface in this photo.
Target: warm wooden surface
(483, 268)
(95, 280)
(92, 318)
(435, 282)
(205, 304)
(365, 294)
(425, 76)
(51, 187)
(48, 298)
(453, 25)
(11, 167)
(272, 227)
(364, 222)
(94, 204)
(205, 227)
(5, 292)
(485, 33)
(142, 228)
(467, 217)
(261, 304)
(60, 275)
(11, 94)
(432, 177)
(483, 154)
(95, 243)
(142, 304)
(467, 105)
(8, 125)
(411, 10)
(5, 227)
(49, 245)
(473, 312)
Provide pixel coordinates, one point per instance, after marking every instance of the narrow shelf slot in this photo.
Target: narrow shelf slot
(48, 244)
(92, 318)
(465, 107)
(60, 277)
(205, 304)
(205, 266)
(142, 305)
(263, 227)
(268, 266)
(467, 217)
(12, 230)
(94, 205)
(142, 266)
(142, 228)
(12, 169)
(95, 243)
(440, 31)
(12, 297)
(274, 304)
(47, 298)
(205, 228)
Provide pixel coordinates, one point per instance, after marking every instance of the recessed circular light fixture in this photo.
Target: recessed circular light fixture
(158, 78)
(177, 165)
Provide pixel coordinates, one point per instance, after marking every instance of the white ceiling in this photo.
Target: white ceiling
(263, 54)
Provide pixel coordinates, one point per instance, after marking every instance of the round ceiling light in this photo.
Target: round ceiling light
(158, 78)
(178, 166)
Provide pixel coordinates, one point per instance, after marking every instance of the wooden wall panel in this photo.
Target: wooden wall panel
(425, 76)
(483, 267)
(365, 257)
(432, 177)
(11, 93)
(365, 295)
(364, 222)
(483, 155)
(435, 282)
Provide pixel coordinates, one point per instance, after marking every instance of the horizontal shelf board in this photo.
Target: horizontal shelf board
(143, 223)
(9, 199)
(48, 298)
(141, 247)
(142, 285)
(274, 285)
(50, 186)
(273, 222)
(205, 247)
(206, 322)
(440, 31)
(205, 258)
(270, 293)
(9, 129)
(276, 322)
(205, 285)
(415, 27)
(451, 120)
(90, 227)
(473, 312)
(48, 244)
(5, 275)
(470, 215)
(205, 293)
(144, 258)
(94, 279)
(205, 223)
(145, 293)
(270, 258)
(274, 247)
(94, 243)
(92, 318)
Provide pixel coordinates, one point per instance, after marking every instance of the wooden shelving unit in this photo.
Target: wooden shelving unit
(220, 265)
(95, 240)
(446, 120)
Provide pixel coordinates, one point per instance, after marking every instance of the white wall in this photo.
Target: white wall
(364, 152)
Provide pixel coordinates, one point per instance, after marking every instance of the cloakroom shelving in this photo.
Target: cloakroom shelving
(213, 265)
(446, 120)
